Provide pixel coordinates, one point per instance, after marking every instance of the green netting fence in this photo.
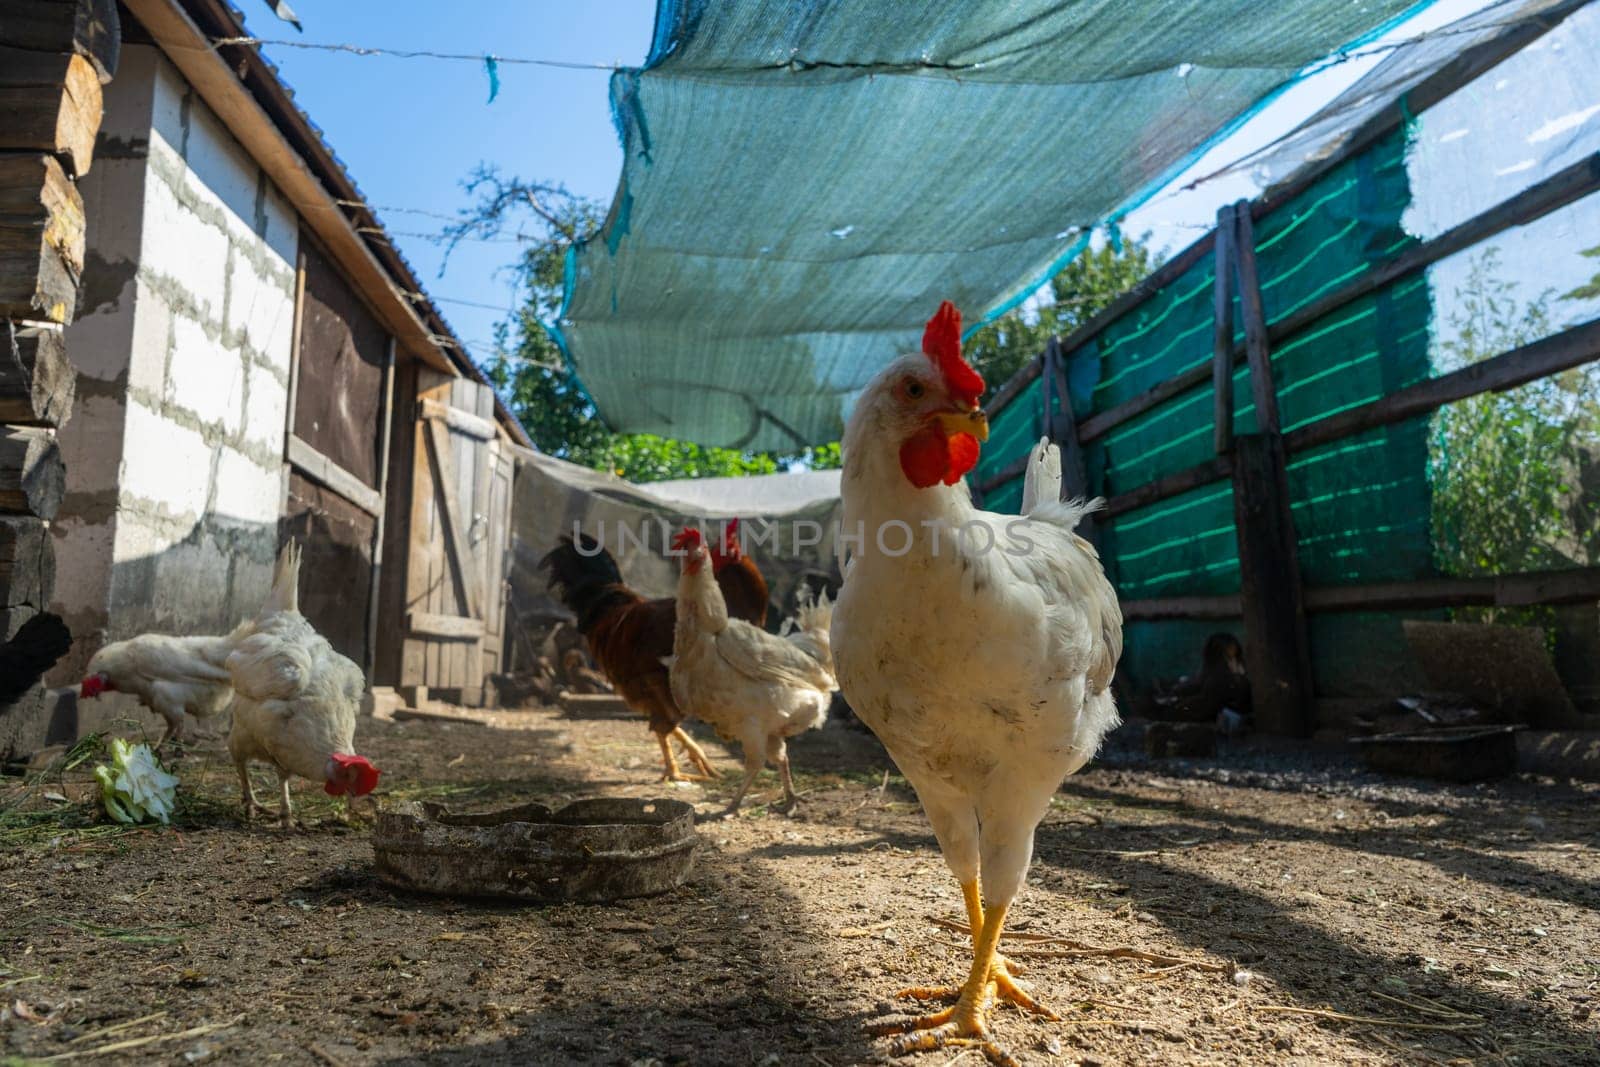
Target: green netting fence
(1361, 503)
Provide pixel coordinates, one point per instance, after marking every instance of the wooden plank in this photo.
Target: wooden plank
(214, 80)
(1182, 607)
(461, 421)
(1551, 355)
(1557, 191)
(50, 102)
(27, 562)
(296, 330)
(1104, 422)
(1580, 585)
(385, 433)
(1139, 293)
(1222, 334)
(1552, 194)
(447, 627)
(1276, 650)
(90, 28)
(1011, 471)
(1573, 586)
(455, 524)
(32, 477)
(1258, 350)
(41, 239)
(37, 381)
(1463, 69)
(1064, 432)
(1013, 386)
(1178, 482)
(314, 465)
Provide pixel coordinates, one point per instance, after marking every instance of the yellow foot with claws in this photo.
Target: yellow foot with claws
(1002, 986)
(959, 1026)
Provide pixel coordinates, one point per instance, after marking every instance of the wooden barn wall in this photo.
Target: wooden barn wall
(339, 398)
(397, 525)
(336, 562)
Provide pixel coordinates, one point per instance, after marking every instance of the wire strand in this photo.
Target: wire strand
(400, 53)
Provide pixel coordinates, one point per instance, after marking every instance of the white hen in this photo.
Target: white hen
(747, 684)
(979, 647)
(296, 699)
(178, 678)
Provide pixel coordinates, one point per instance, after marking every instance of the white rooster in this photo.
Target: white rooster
(978, 647)
(748, 684)
(296, 699)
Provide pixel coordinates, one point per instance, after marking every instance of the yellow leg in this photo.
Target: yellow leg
(964, 1025)
(672, 773)
(696, 754)
(1002, 972)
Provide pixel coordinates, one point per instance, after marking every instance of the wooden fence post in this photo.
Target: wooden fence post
(1277, 649)
(1222, 334)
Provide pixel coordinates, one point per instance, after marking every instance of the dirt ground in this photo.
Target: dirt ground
(1296, 912)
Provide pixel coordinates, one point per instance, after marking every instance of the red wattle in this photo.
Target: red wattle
(963, 450)
(925, 457)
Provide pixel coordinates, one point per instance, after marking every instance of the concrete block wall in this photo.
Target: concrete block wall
(175, 458)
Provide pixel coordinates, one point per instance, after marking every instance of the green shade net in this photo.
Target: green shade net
(1361, 505)
(803, 183)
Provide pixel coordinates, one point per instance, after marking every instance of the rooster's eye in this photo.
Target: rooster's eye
(914, 389)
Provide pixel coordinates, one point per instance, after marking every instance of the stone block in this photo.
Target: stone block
(165, 463)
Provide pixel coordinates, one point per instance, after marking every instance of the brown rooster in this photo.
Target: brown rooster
(630, 636)
(740, 580)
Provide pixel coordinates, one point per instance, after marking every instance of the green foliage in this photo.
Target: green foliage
(1505, 466)
(1082, 288)
(528, 370)
(1590, 289)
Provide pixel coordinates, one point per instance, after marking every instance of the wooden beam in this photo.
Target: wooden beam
(1563, 351)
(216, 83)
(1460, 71)
(1211, 470)
(319, 468)
(1222, 333)
(461, 421)
(51, 102)
(1277, 652)
(1143, 290)
(32, 477)
(37, 381)
(1182, 607)
(1010, 472)
(457, 547)
(27, 562)
(385, 430)
(41, 239)
(1580, 585)
(1573, 586)
(1014, 386)
(90, 28)
(1258, 350)
(1064, 432)
(448, 627)
(1557, 191)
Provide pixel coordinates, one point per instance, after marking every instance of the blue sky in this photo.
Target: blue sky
(409, 130)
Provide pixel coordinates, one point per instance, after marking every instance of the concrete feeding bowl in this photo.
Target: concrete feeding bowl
(589, 851)
(1454, 754)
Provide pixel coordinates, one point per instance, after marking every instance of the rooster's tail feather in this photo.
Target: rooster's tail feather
(285, 593)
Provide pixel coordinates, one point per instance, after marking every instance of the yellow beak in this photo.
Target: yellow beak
(974, 422)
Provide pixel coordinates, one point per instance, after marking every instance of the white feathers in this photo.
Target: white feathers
(1041, 482)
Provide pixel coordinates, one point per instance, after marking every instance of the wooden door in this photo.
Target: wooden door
(460, 515)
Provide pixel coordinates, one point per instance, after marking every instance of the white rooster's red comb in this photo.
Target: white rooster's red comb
(941, 343)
